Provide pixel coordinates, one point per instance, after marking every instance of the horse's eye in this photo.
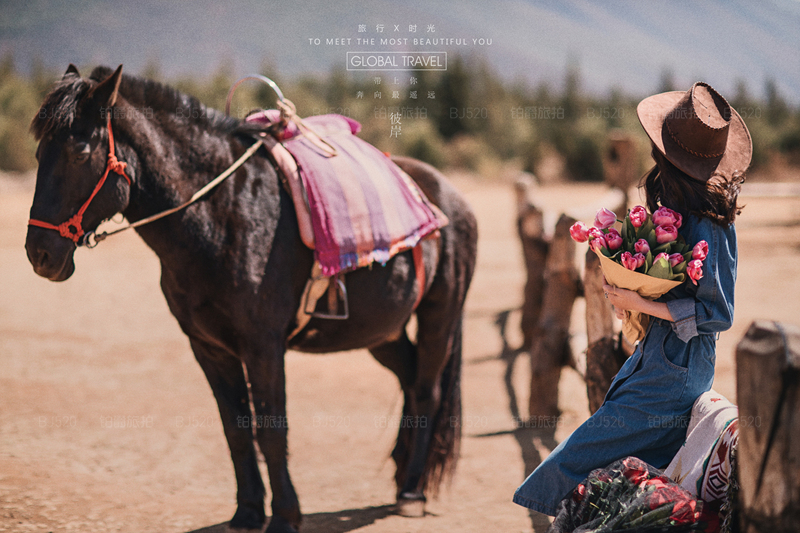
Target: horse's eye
(81, 153)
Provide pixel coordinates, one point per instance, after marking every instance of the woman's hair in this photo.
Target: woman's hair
(716, 199)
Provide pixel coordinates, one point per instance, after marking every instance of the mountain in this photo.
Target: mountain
(626, 44)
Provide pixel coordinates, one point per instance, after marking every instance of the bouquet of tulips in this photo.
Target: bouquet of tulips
(630, 495)
(646, 255)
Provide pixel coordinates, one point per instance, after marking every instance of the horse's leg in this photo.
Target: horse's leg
(429, 376)
(268, 386)
(435, 407)
(227, 380)
(400, 356)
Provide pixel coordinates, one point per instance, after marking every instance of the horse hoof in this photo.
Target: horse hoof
(279, 525)
(247, 520)
(411, 506)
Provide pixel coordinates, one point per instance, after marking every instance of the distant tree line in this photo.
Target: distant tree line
(465, 117)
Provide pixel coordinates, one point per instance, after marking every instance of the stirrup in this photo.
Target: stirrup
(340, 294)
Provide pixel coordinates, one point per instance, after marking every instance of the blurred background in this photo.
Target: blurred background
(528, 86)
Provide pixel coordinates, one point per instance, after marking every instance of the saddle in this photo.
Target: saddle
(354, 205)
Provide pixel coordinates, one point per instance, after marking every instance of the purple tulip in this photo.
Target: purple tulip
(579, 232)
(665, 216)
(641, 246)
(695, 270)
(613, 239)
(638, 216)
(604, 218)
(666, 233)
(597, 244)
(700, 250)
(675, 260)
(640, 260)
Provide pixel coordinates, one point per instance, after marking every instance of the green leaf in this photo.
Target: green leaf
(648, 261)
(651, 238)
(662, 248)
(660, 269)
(680, 268)
(678, 277)
(624, 233)
(630, 231)
(647, 227)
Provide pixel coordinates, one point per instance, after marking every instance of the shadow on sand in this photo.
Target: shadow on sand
(528, 436)
(335, 522)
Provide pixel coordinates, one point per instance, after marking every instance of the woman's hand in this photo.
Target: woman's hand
(624, 300)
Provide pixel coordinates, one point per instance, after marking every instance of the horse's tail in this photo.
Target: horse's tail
(445, 445)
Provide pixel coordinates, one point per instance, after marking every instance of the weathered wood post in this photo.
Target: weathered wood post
(768, 455)
(550, 350)
(620, 165)
(603, 356)
(530, 227)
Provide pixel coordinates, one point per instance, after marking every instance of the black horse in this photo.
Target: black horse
(233, 269)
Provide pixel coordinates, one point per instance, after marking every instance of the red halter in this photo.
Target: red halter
(71, 229)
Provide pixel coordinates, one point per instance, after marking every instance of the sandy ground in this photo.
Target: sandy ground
(107, 423)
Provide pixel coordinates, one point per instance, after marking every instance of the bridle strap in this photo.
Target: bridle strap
(72, 229)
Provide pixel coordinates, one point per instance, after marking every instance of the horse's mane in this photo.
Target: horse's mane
(60, 107)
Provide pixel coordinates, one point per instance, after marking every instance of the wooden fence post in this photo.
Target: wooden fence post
(603, 357)
(550, 350)
(768, 454)
(530, 227)
(620, 163)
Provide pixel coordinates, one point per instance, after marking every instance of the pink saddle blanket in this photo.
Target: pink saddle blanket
(363, 207)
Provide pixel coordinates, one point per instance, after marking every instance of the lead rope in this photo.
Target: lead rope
(196, 196)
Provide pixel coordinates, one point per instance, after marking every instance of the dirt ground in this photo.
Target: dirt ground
(107, 423)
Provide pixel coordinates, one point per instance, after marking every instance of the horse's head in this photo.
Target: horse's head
(72, 193)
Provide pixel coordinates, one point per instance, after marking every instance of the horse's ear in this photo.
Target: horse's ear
(72, 70)
(105, 93)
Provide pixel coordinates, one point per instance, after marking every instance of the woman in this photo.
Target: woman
(702, 148)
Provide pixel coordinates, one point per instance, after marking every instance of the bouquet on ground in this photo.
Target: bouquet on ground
(630, 495)
(646, 255)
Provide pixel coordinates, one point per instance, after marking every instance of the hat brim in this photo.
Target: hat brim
(738, 149)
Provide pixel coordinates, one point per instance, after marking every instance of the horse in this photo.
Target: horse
(233, 270)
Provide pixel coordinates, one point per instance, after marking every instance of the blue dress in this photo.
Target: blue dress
(647, 407)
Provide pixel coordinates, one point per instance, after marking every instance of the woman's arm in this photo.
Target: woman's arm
(625, 300)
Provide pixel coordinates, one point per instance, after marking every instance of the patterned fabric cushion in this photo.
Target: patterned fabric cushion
(703, 464)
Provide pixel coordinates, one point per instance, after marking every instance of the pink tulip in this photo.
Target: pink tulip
(638, 216)
(604, 218)
(640, 259)
(675, 260)
(641, 246)
(613, 239)
(662, 255)
(666, 233)
(597, 244)
(695, 270)
(628, 261)
(595, 233)
(666, 216)
(579, 232)
(700, 250)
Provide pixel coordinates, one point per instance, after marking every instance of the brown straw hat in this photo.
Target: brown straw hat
(697, 131)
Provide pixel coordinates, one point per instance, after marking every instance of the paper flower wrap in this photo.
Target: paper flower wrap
(635, 325)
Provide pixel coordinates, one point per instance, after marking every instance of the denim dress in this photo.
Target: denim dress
(646, 409)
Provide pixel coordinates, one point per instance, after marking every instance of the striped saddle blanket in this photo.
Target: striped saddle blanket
(363, 208)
